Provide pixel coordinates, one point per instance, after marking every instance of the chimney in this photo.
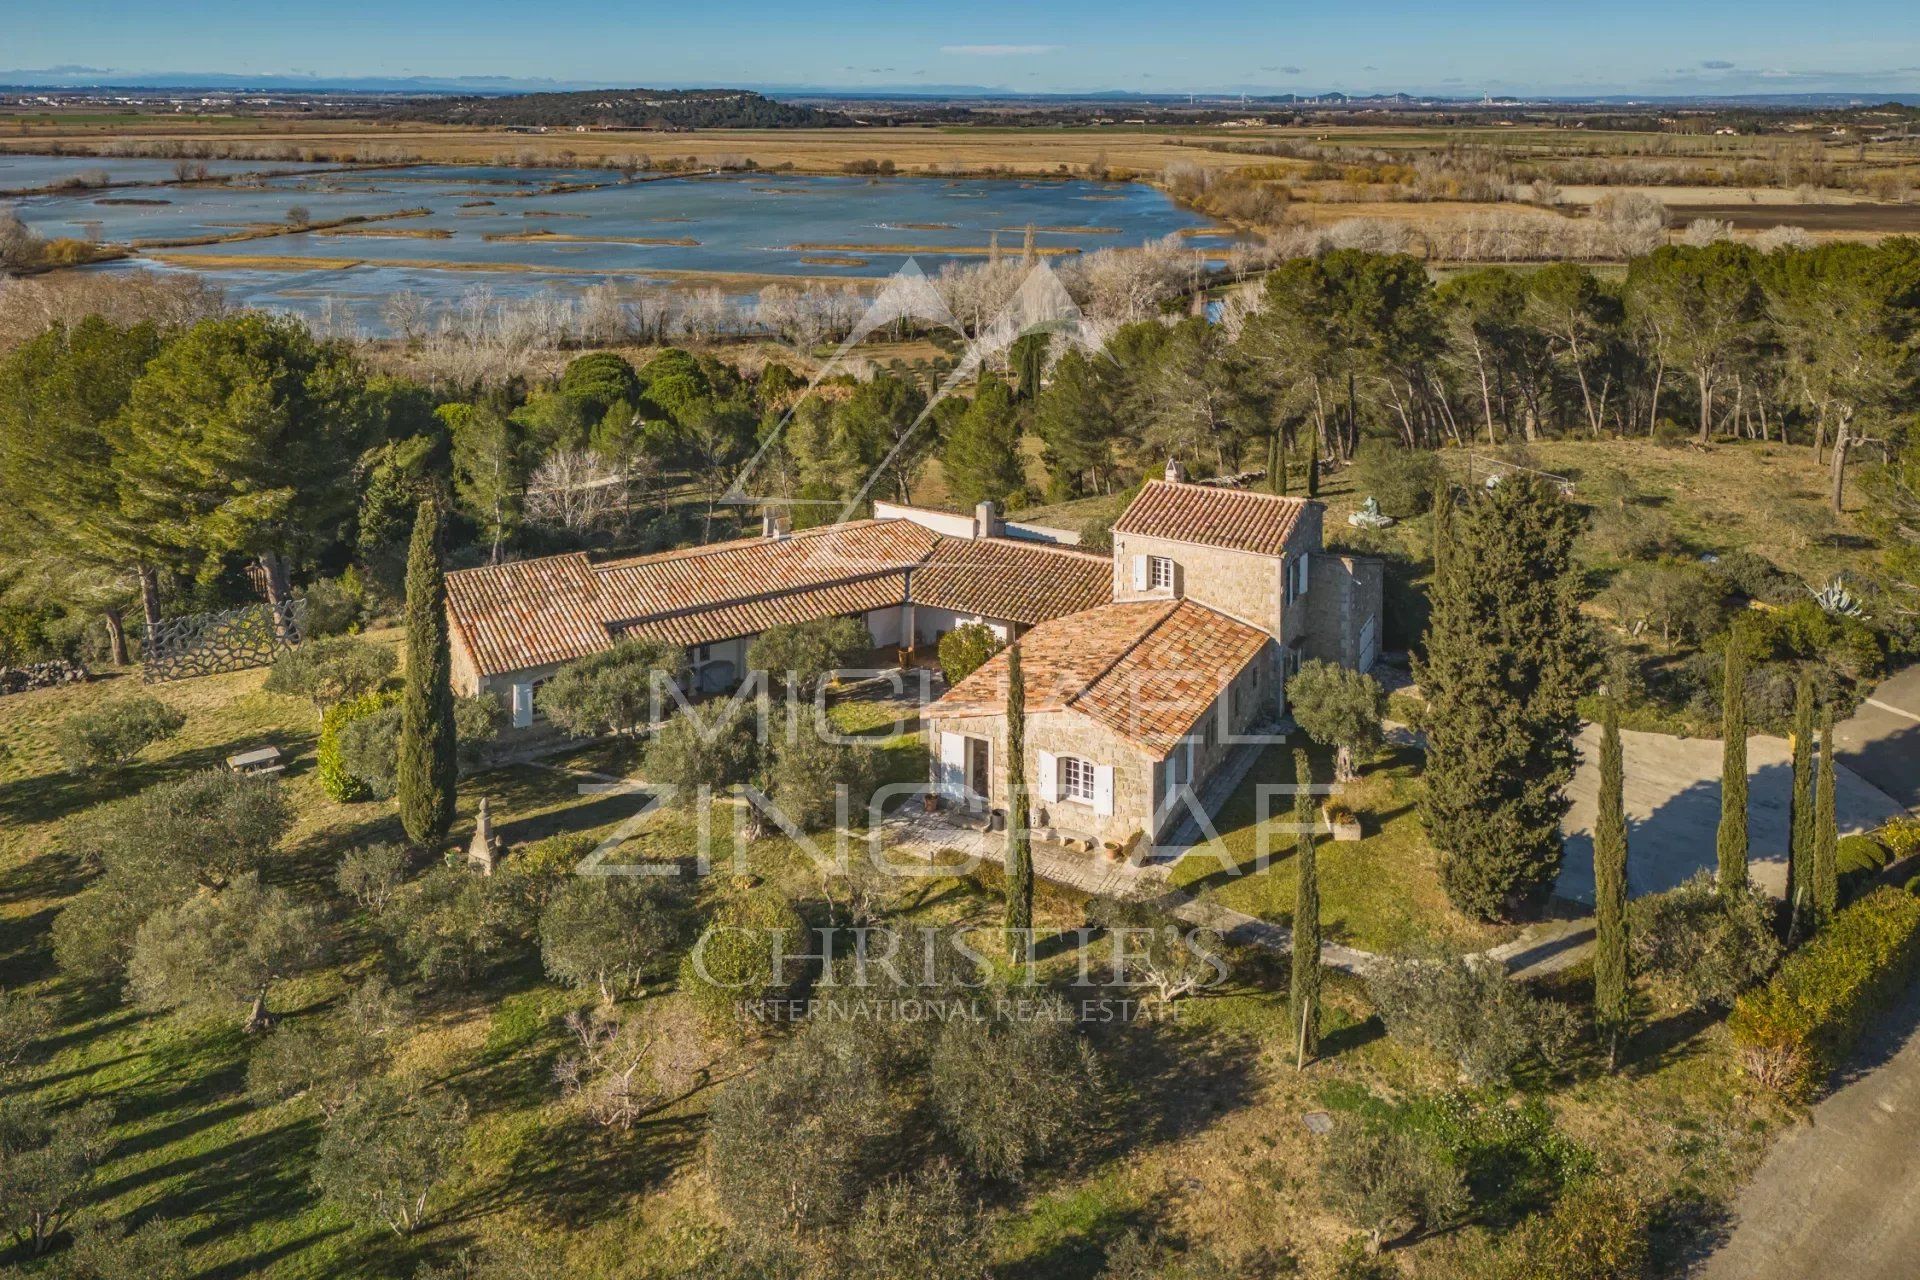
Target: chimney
(1175, 472)
(776, 526)
(986, 521)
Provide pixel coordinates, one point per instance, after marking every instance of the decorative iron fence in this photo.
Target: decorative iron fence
(207, 644)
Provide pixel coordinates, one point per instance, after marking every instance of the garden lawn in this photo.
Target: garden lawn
(1380, 893)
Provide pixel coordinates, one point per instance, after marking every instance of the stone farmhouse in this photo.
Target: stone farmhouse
(1142, 667)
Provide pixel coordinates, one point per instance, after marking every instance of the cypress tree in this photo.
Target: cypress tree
(1277, 463)
(1507, 657)
(1019, 855)
(1313, 466)
(428, 766)
(1800, 810)
(1610, 981)
(1825, 890)
(1732, 843)
(1303, 990)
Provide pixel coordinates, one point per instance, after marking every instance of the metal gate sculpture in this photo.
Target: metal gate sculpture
(207, 644)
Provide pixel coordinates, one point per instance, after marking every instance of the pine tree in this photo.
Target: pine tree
(1732, 843)
(1825, 892)
(1019, 859)
(982, 454)
(1303, 990)
(1800, 810)
(1610, 980)
(1507, 657)
(428, 766)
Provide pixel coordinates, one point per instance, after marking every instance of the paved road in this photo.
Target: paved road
(1881, 742)
(1839, 1195)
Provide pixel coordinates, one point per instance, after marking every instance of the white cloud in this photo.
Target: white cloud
(998, 50)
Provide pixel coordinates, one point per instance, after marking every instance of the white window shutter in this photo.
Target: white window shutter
(1302, 588)
(1049, 777)
(1140, 573)
(1103, 789)
(953, 764)
(522, 705)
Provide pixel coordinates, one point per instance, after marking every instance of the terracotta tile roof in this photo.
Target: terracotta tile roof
(527, 613)
(1236, 518)
(747, 617)
(533, 613)
(678, 582)
(1147, 670)
(1024, 582)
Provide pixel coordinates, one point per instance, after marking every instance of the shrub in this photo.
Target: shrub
(611, 692)
(1390, 1181)
(1901, 837)
(1798, 1028)
(1757, 578)
(335, 606)
(1013, 1092)
(1596, 1231)
(1470, 1011)
(372, 875)
(1402, 480)
(732, 964)
(336, 779)
(115, 732)
(1859, 859)
(965, 649)
(330, 670)
(1703, 948)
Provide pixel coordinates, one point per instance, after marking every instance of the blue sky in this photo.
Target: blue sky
(1498, 46)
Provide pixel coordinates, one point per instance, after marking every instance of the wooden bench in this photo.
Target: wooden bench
(263, 760)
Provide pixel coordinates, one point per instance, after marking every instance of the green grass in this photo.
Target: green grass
(1200, 1137)
(1379, 893)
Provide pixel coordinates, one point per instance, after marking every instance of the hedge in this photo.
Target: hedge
(1794, 1032)
(334, 778)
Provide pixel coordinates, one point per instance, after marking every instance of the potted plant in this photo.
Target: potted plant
(1344, 822)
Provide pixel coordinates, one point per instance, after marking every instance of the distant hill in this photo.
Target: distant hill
(625, 109)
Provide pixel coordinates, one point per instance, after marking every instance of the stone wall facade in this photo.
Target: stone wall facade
(1343, 598)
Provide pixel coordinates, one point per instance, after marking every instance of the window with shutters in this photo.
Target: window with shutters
(1076, 779)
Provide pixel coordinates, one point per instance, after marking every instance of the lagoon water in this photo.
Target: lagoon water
(518, 231)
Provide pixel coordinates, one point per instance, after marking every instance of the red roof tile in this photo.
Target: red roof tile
(1239, 519)
(1024, 582)
(1147, 670)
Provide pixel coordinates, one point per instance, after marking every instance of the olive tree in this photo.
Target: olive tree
(1339, 708)
(799, 656)
(333, 1058)
(154, 850)
(1013, 1093)
(48, 1160)
(115, 732)
(609, 933)
(382, 1155)
(331, 670)
(217, 952)
(611, 692)
(1388, 1182)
